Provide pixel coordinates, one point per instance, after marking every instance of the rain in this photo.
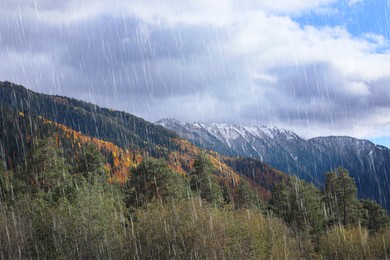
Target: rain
(208, 129)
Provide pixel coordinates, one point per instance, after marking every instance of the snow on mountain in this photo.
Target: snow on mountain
(368, 163)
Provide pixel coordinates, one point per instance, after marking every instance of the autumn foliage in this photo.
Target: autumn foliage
(122, 160)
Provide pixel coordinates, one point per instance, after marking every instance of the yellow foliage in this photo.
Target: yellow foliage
(345, 243)
(380, 244)
(180, 161)
(209, 233)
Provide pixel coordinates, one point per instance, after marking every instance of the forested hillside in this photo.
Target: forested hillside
(121, 128)
(65, 194)
(52, 209)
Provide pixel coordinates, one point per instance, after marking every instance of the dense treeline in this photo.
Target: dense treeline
(51, 209)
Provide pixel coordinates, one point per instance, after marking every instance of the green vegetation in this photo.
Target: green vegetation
(54, 210)
(340, 197)
(203, 182)
(300, 205)
(153, 180)
(58, 199)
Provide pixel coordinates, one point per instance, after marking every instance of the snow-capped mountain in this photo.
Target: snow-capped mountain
(368, 163)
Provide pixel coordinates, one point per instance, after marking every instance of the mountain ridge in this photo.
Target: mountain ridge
(37, 116)
(129, 130)
(309, 159)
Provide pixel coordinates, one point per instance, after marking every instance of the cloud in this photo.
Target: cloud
(354, 2)
(286, 6)
(237, 61)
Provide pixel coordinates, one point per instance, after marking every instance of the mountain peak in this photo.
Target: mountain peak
(285, 150)
(228, 131)
(168, 121)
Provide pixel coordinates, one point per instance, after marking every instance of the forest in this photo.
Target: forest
(55, 208)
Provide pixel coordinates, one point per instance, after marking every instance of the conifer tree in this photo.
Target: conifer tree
(246, 197)
(5, 183)
(299, 204)
(90, 162)
(152, 180)
(375, 217)
(202, 181)
(340, 195)
(47, 169)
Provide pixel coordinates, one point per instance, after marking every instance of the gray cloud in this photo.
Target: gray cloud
(248, 68)
(315, 93)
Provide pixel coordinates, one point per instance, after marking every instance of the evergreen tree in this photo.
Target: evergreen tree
(340, 196)
(280, 202)
(47, 170)
(227, 192)
(90, 162)
(203, 182)
(6, 189)
(11, 187)
(300, 205)
(349, 205)
(246, 197)
(375, 217)
(331, 198)
(153, 179)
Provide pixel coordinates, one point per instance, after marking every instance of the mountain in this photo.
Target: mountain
(57, 165)
(368, 163)
(124, 139)
(121, 128)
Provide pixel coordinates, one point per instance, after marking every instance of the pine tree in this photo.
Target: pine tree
(47, 169)
(203, 182)
(90, 162)
(375, 217)
(331, 198)
(340, 195)
(151, 180)
(280, 201)
(299, 204)
(246, 197)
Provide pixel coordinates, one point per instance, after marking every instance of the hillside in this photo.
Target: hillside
(121, 128)
(31, 116)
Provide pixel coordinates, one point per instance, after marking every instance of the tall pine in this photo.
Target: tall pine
(203, 182)
(342, 204)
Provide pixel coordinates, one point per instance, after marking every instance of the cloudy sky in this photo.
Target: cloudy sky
(318, 67)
